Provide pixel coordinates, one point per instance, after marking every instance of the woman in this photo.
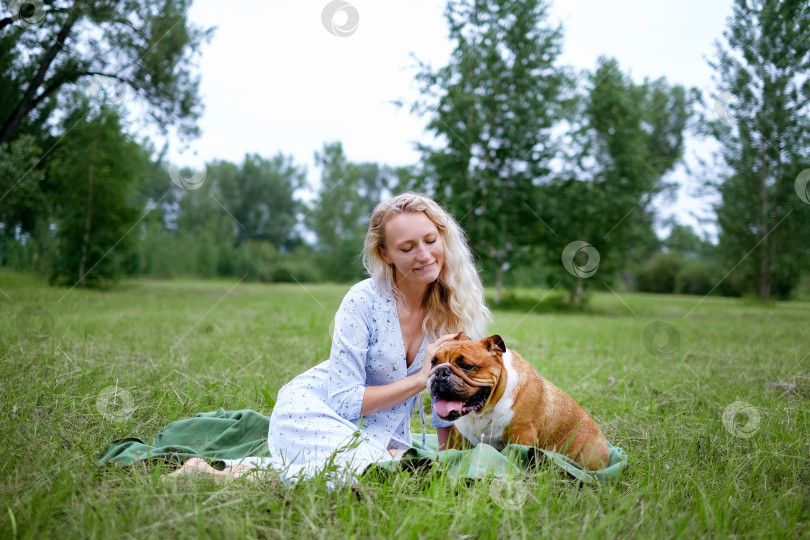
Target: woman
(423, 290)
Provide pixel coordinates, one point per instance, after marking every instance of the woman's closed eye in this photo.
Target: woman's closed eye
(431, 241)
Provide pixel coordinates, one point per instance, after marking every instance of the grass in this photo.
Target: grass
(181, 347)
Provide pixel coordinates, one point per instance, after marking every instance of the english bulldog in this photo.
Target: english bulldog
(494, 396)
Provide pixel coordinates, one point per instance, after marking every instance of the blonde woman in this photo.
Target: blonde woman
(355, 408)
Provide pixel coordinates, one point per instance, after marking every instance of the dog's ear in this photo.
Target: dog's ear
(461, 336)
(495, 344)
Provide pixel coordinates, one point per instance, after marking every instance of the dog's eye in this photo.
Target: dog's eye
(434, 361)
(464, 365)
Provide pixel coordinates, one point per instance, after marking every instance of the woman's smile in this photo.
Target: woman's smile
(414, 246)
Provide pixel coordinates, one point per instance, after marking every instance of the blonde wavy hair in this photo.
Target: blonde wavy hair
(455, 301)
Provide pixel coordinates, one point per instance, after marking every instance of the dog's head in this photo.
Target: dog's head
(465, 373)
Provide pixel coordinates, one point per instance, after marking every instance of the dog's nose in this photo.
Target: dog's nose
(443, 373)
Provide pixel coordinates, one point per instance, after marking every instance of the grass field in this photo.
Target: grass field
(710, 399)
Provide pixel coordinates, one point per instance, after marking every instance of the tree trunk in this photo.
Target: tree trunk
(579, 293)
(9, 129)
(764, 261)
(87, 223)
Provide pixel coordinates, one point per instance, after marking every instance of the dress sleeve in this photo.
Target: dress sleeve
(349, 355)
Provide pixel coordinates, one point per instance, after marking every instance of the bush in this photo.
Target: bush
(659, 274)
(736, 284)
(695, 277)
(802, 290)
(298, 266)
(261, 261)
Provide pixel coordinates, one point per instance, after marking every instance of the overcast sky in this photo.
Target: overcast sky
(275, 79)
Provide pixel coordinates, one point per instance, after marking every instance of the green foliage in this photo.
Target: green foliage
(629, 136)
(498, 101)
(764, 136)
(526, 162)
(496, 104)
(258, 195)
(738, 282)
(240, 221)
(20, 189)
(59, 76)
(158, 253)
(147, 46)
(301, 266)
(94, 174)
(531, 301)
(659, 274)
(686, 266)
(682, 239)
(802, 290)
(339, 217)
(696, 277)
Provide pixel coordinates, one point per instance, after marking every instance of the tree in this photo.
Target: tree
(20, 200)
(259, 196)
(55, 53)
(764, 129)
(339, 217)
(96, 172)
(496, 104)
(683, 239)
(625, 138)
(147, 45)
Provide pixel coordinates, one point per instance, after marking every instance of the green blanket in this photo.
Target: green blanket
(211, 435)
(484, 460)
(225, 434)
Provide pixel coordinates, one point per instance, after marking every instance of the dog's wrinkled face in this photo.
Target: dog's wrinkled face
(464, 374)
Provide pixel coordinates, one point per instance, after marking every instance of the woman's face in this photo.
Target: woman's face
(415, 247)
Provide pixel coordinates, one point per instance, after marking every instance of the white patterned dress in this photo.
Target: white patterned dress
(317, 415)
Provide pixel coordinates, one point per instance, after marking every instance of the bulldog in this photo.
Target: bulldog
(494, 396)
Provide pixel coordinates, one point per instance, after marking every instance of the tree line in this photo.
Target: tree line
(538, 162)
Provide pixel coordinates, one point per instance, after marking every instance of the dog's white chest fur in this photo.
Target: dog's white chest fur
(489, 425)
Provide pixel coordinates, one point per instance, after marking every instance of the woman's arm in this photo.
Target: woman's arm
(379, 398)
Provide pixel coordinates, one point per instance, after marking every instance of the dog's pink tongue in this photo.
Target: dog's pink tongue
(444, 407)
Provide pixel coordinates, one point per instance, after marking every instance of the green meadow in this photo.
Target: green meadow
(710, 398)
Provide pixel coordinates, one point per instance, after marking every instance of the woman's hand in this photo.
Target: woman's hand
(379, 398)
(430, 352)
